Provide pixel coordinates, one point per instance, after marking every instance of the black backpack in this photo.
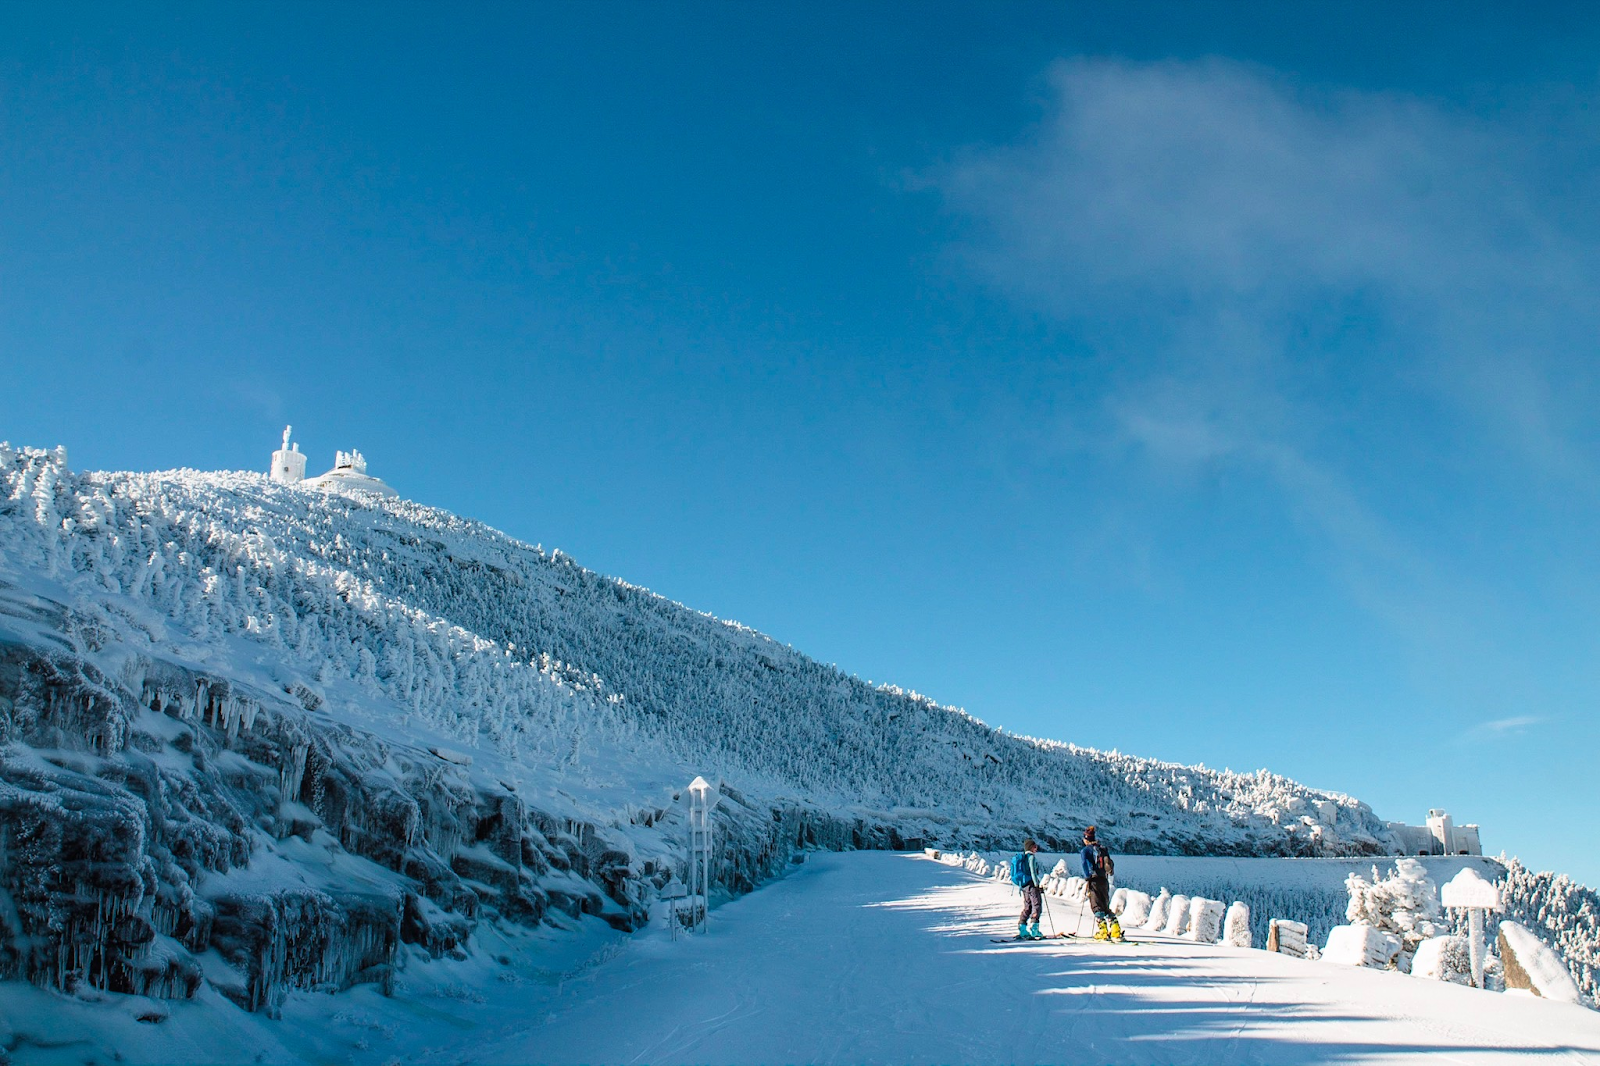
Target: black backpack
(1102, 861)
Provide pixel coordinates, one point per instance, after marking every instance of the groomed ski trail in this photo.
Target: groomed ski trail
(871, 957)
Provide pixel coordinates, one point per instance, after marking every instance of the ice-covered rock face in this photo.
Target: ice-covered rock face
(167, 827)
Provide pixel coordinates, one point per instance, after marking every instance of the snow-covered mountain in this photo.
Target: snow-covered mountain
(262, 736)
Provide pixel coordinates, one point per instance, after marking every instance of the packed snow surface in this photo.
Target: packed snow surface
(865, 957)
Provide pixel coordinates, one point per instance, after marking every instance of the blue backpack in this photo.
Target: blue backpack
(1020, 874)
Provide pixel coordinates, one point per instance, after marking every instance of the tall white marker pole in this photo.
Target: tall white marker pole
(703, 799)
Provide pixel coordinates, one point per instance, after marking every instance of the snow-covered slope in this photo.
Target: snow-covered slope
(256, 735)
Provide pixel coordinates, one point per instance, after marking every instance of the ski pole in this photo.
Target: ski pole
(1049, 919)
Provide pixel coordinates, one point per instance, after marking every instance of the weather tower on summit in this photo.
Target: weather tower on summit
(288, 463)
(349, 473)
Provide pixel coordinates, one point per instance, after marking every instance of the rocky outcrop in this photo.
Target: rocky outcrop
(1533, 966)
(169, 827)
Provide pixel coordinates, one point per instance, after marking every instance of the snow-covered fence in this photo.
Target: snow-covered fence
(1288, 937)
(1319, 906)
(1177, 916)
(1205, 920)
(1236, 926)
(972, 862)
(1160, 908)
(1135, 908)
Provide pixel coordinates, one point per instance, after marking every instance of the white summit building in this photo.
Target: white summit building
(1441, 836)
(349, 473)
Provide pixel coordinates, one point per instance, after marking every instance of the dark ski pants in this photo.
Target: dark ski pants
(1100, 898)
(1032, 902)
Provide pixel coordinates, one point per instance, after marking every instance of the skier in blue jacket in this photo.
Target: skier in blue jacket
(1097, 870)
(1025, 875)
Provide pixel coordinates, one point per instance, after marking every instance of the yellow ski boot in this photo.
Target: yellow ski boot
(1100, 930)
(1116, 931)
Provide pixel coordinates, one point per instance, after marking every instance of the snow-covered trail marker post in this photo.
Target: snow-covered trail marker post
(703, 799)
(1471, 893)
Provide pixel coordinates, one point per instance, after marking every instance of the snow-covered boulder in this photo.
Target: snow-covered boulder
(1288, 938)
(1160, 908)
(1361, 945)
(1076, 888)
(1135, 908)
(1531, 964)
(1119, 901)
(1061, 870)
(1205, 920)
(1443, 958)
(1236, 926)
(1177, 917)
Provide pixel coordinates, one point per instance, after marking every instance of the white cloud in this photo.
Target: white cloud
(1221, 213)
(1504, 726)
(1218, 232)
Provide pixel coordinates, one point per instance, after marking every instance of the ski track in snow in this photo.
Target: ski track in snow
(875, 957)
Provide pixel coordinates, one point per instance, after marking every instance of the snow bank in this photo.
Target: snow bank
(1361, 945)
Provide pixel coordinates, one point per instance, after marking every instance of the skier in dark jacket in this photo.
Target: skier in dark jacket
(1025, 875)
(1097, 868)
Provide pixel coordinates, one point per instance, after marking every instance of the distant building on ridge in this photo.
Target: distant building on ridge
(1441, 836)
(349, 473)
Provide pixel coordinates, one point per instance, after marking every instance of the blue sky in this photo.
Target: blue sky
(1214, 382)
